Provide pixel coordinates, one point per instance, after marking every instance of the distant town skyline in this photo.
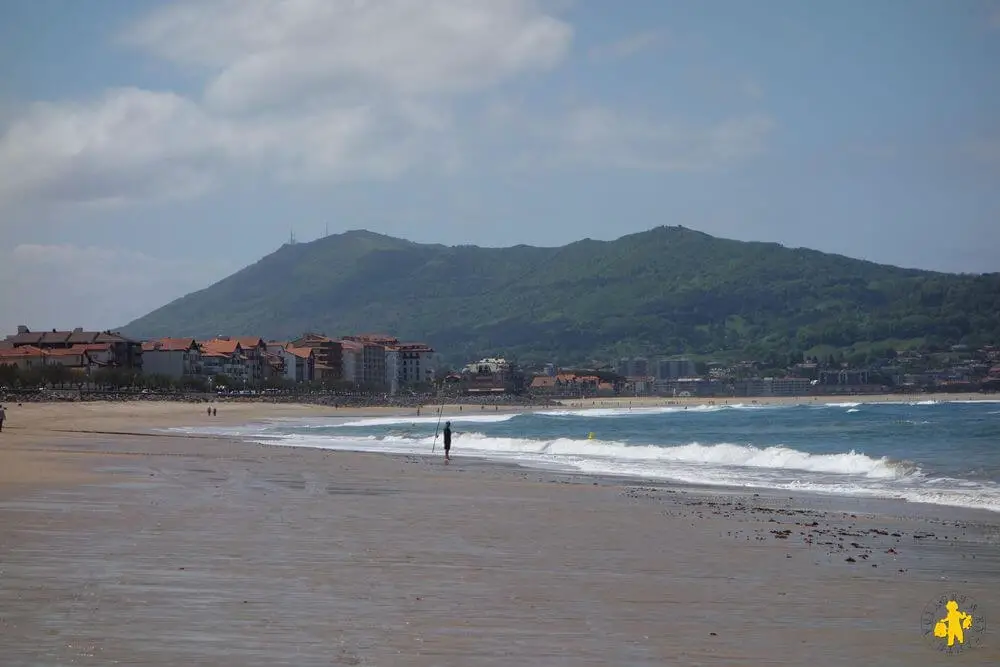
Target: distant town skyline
(149, 149)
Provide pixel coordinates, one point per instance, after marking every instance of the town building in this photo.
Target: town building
(113, 349)
(254, 357)
(329, 356)
(172, 357)
(224, 356)
(299, 363)
(373, 367)
(672, 369)
(492, 376)
(418, 364)
(24, 357)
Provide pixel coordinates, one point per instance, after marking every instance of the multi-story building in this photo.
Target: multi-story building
(114, 349)
(417, 364)
(24, 357)
(392, 369)
(329, 356)
(373, 367)
(300, 363)
(255, 357)
(274, 363)
(224, 356)
(492, 375)
(172, 357)
(351, 356)
(671, 369)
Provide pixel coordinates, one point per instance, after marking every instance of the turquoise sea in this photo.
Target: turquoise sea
(946, 453)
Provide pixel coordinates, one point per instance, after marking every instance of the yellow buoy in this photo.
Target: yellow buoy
(590, 436)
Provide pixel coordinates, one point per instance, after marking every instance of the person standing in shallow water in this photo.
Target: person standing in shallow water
(447, 441)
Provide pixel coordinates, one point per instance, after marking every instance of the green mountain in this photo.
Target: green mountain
(666, 291)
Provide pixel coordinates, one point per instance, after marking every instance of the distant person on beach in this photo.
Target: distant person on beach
(215, 411)
(447, 441)
(3, 415)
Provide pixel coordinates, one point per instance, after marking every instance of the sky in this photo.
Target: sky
(148, 149)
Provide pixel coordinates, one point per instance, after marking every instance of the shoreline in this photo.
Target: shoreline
(123, 545)
(37, 423)
(173, 549)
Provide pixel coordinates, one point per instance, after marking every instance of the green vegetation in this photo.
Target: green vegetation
(667, 291)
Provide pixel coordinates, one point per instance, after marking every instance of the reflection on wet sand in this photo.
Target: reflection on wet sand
(228, 553)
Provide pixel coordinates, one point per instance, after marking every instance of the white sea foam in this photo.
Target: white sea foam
(647, 410)
(721, 464)
(724, 455)
(392, 421)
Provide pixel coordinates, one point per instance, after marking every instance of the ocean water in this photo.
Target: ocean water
(945, 453)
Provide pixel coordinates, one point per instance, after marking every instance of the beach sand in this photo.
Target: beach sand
(118, 547)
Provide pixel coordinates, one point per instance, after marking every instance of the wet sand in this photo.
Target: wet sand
(141, 550)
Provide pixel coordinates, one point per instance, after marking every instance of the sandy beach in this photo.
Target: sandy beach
(119, 545)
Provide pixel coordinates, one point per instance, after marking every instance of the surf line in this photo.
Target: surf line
(440, 410)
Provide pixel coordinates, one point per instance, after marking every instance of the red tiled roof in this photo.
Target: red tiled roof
(222, 346)
(65, 352)
(301, 352)
(249, 341)
(22, 352)
(170, 344)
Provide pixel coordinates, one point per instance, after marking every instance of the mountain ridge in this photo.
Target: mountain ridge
(669, 288)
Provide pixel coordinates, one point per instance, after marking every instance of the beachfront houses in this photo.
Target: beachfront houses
(77, 348)
(418, 364)
(328, 356)
(225, 357)
(299, 363)
(372, 362)
(174, 358)
(492, 375)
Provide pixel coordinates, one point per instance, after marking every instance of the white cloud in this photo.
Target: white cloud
(600, 137)
(129, 144)
(332, 90)
(316, 89)
(628, 46)
(279, 52)
(62, 286)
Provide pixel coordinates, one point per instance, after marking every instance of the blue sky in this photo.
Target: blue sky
(148, 149)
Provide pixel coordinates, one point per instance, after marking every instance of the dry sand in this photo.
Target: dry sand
(142, 550)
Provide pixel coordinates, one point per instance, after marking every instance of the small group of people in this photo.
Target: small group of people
(212, 411)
